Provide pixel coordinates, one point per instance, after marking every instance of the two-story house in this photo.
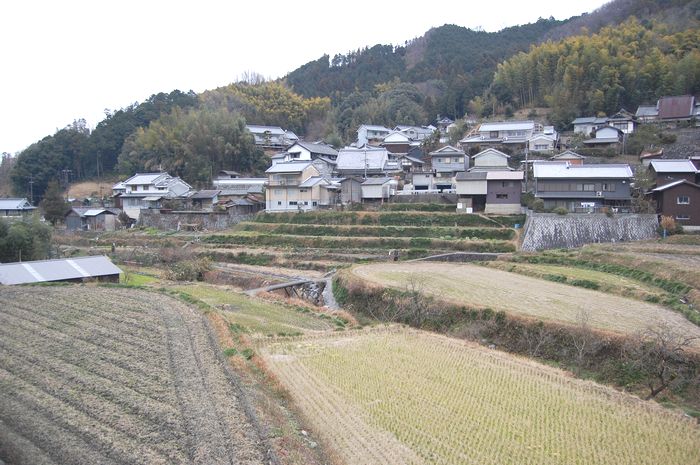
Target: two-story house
(368, 134)
(365, 161)
(148, 190)
(495, 191)
(677, 191)
(665, 171)
(440, 169)
(233, 186)
(669, 109)
(490, 160)
(272, 137)
(502, 133)
(298, 186)
(582, 187)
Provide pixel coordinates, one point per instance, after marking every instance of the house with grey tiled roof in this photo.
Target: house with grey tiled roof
(13, 207)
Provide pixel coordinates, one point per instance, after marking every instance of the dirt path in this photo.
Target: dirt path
(485, 287)
(116, 376)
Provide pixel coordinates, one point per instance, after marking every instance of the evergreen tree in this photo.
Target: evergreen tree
(53, 204)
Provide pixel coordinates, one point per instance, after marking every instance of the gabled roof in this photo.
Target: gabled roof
(358, 159)
(313, 180)
(568, 155)
(647, 110)
(673, 166)
(321, 149)
(373, 127)
(272, 130)
(401, 136)
(566, 170)
(15, 204)
(490, 150)
(504, 175)
(376, 181)
(589, 120)
(229, 173)
(674, 184)
(622, 115)
(56, 270)
(447, 149)
(205, 194)
(507, 126)
(288, 167)
(144, 178)
(681, 106)
(98, 211)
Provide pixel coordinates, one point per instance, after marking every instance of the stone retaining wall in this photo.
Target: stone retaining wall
(552, 231)
(198, 220)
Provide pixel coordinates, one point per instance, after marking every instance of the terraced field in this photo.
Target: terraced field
(116, 376)
(402, 396)
(500, 290)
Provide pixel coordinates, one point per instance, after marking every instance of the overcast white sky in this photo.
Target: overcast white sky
(64, 60)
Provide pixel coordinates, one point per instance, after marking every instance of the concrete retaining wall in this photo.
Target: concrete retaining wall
(552, 231)
(425, 198)
(199, 220)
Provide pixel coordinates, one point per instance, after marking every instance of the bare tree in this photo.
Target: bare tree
(583, 339)
(536, 337)
(660, 355)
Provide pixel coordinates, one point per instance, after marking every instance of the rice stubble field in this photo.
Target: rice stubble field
(404, 396)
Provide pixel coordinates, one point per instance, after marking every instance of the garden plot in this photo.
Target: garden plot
(98, 375)
(483, 287)
(402, 396)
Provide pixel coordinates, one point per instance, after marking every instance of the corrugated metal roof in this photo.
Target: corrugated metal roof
(568, 155)
(15, 204)
(508, 126)
(256, 129)
(57, 270)
(97, 211)
(323, 149)
(674, 184)
(673, 166)
(471, 176)
(144, 178)
(312, 181)
(448, 149)
(565, 171)
(681, 106)
(647, 110)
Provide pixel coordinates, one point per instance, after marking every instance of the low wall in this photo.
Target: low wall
(552, 231)
(425, 198)
(461, 257)
(200, 220)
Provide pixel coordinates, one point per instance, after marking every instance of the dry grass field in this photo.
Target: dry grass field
(403, 396)
(500, 290)
(115, 376)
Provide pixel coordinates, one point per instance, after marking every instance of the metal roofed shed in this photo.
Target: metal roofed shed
(77, 269)
(673, 166)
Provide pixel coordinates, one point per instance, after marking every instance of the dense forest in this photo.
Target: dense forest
(626, 53)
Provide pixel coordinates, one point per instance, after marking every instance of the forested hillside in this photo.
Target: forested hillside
(622, 66)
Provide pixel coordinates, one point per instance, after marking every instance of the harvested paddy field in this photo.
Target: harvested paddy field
(402, 396)
(483, 287)
(116, 376)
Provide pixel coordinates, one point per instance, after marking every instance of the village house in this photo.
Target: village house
(490, 160)
(350, 190)
(622, 120)
(495, 191)
(513, 134)
(588, 124)
(148, 190)
(681, 201)
(15, 207)
(569, 156)
(272, 137)
(668, 170)
(378, 189)
(232, 185)
(605, 136)
(673, 109)
(365, 162)
(368, 134)
(298, 186)
(582, 187)
(205, 199)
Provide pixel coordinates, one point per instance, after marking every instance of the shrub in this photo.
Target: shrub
(538, 205)
(189, 270)
(561, 211)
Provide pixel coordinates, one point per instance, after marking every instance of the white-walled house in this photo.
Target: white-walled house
(148, 190)
(378, 189)
(272, 136)
(490, 159)
(371, 134)
(298, 186)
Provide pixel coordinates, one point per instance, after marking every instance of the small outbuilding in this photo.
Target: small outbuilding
(78, 269)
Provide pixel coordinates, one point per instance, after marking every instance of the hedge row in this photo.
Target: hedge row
(381, 231)
(419, 207)
(391, 219)
(369, 243)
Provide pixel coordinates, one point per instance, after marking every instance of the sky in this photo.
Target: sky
(71, 59)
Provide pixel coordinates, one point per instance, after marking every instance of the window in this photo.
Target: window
(292, 202)
(608, 187)
(303, 190)
(278, 191)
(683, 217)
(506, 183)
(584, 187)
(279, 202)
(541, 147)
(306, 203)
(493, 135)
(501, 196)
(683, 200)
(314, 204)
